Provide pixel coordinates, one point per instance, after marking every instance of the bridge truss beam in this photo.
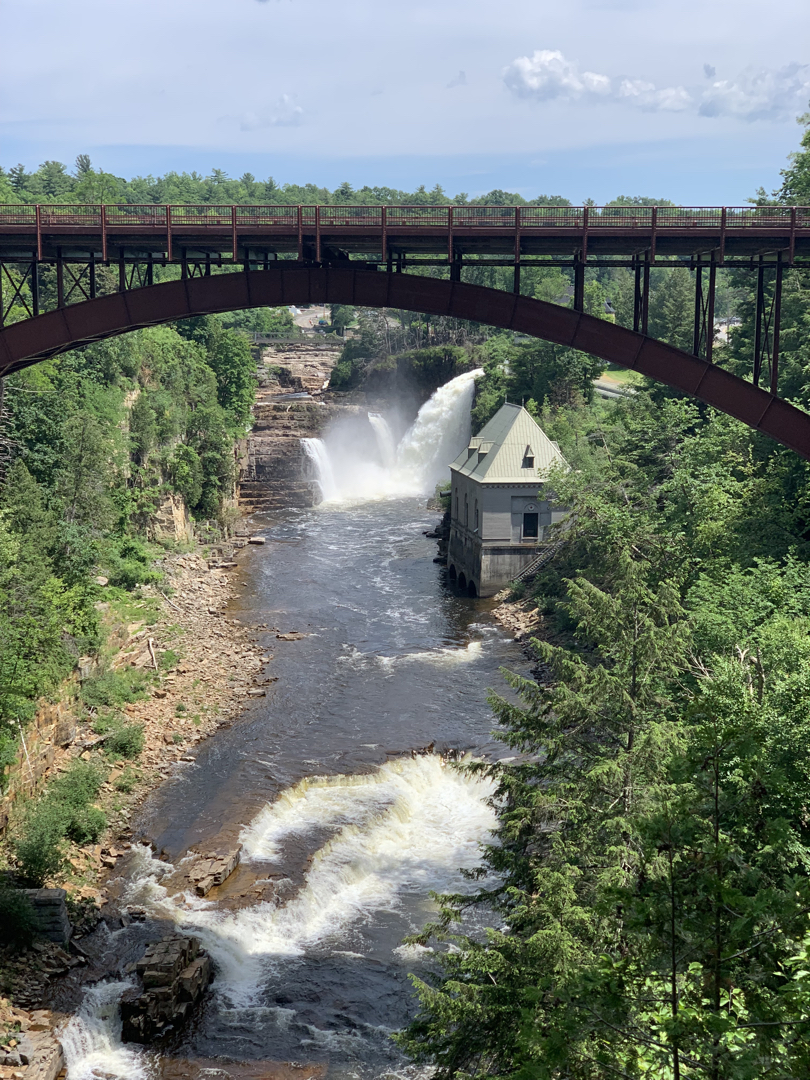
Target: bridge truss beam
(30, 340)
(76, 280)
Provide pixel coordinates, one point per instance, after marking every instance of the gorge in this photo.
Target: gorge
(339, 785)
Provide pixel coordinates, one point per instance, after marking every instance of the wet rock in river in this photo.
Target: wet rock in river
(174, 973)
(213, 870)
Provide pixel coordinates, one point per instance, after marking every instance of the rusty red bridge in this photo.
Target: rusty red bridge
(177, 261)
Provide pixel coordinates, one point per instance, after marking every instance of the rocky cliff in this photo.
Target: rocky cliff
(290, 406)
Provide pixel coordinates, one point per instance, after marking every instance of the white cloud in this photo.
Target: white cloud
(547, 75)
(285, 114)
(759, 94)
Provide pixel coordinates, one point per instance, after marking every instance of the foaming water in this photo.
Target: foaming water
(91, 1039)
(410, 827)
(346, 473)
(386, 443)
(354, 832)
(316, 451)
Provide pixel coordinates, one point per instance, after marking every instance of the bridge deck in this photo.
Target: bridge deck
(376, 231)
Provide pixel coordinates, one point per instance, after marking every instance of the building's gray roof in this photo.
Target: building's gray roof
(497, 453)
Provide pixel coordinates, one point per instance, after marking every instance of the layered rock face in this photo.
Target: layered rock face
(175, 973)
(274, 471)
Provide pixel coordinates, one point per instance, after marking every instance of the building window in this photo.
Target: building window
(530, 523)
(456, 504)
(476, 515)
(466, 513)
(528, 463)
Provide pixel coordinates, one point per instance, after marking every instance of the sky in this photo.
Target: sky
(694, 102)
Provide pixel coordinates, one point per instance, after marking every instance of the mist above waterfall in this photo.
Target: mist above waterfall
(367, 456)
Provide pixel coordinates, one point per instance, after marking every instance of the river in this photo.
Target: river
(331, 787)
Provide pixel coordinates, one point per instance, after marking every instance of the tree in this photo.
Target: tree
(796, 178)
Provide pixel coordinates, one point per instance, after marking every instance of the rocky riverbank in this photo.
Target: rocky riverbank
(205, 668)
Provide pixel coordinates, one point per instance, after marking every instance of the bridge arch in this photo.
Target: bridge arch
(27, 342)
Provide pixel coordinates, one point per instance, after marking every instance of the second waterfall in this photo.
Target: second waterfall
(360, 459)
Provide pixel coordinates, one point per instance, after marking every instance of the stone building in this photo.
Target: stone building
(499, 513)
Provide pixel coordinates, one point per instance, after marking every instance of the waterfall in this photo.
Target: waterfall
(91, 1039)
(440, 431)
(316, 451)
(342, 461)
(386, 443)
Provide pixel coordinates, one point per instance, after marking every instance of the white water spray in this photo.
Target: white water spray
(316, 451)
(438, 434)
(386, 443)
(91, 1039)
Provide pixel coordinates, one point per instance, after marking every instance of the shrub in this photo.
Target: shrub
(130, 565)
(39, 848)
(87, 826)
(18, 919)
(126, 741)
(517, 590)
(77, 787)
(168, 659)
(114, 688)
(63, 810)
(126, 781)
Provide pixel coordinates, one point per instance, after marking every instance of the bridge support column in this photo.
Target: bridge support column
(759, 319)
(777, 319)
(641, 296)
(60, 279)
(767, 322)
(710, 308)
(700, 311)
(703, 340)
(579, 283)
(35, 285)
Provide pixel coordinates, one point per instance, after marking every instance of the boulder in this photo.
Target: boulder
(174, 973)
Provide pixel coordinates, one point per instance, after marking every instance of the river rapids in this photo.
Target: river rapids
(337, 785)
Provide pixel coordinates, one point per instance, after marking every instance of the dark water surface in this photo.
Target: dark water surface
(393, 662)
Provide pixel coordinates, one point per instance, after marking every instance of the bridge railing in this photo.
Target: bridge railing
(132, 214)
(121, 215)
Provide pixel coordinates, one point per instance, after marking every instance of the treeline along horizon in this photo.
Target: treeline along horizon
(53, 182)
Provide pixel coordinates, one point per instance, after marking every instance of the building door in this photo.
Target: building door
(530, 522)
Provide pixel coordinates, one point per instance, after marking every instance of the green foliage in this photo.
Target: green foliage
(115, 688)
(127, 781)
(87, 827)
(63, 811)
(125, 741)
(19, 925)
(39, 848)
(128, 564)
(650, 875)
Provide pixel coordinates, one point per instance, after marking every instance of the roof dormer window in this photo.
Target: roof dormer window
(528, 458)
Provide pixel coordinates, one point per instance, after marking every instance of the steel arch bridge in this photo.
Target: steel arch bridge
(234, 257)
(43, 336)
